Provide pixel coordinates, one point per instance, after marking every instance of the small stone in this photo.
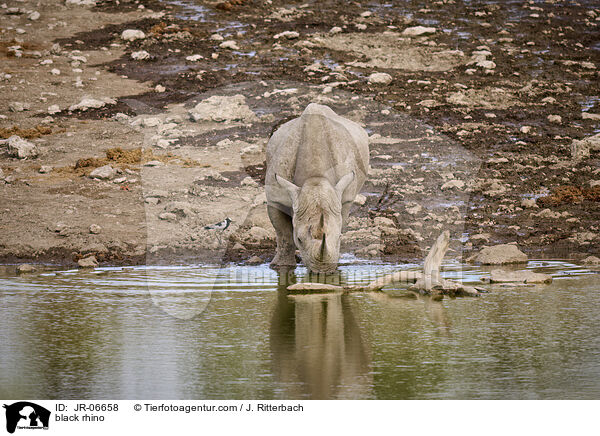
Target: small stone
(549, 100)
(88, 262)
(249, 181)
(25, 268)
(167, 216)
(380, 78)
(105, 172)
(194, 58)
(216, 37)
(20, 148)
(382, 221)
(258, 233)
(525, 129)
(35, 15)
(160, 88)
(17, 106)
(153, 163)
(557, 119)
(360, 199)
(288, 34)
(54, 109)
(91, 103)
(335, 29)
(140, 55)
(589, 116)
(231, 45)
(528, 203)
(418, 31)
(591, 260)
(254, 260)
(500, 254)
(132, 35)
(55, 71)
(45, 169)
(95, 229)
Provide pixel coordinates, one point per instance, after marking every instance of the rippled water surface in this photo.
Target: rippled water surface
(207, 332)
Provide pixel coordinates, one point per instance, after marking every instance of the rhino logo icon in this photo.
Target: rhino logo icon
(26, 415)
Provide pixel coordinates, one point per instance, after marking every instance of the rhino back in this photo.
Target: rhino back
(319, 143)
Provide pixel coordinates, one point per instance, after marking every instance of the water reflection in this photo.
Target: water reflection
(317, 347)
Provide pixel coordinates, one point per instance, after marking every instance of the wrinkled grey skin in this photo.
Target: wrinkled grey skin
(316, 165)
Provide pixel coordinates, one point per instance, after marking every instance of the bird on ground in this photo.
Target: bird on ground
(220, 225)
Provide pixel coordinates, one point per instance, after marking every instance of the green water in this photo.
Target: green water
(232, 333)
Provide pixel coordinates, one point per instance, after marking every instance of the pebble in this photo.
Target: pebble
(105, 172)
(288, 34)
(91, 103)
(380, 78)
(95, 229)
(557, 119)
(88, 262)
(54, 109)
(194, 58)
(55, 71)
(335, 29)
(231, 45)
(45, 169)
(160, 88)
(254, 260)
(167, 216)
(25, 268)
(216, 37)
(17, 106)
(140, 55)
(132, 35)
(20, 148)
(418, 31)
(591, 260)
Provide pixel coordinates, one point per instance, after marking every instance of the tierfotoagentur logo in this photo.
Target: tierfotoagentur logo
(26, 415)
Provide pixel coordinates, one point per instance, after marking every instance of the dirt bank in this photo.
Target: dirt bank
(140, 140)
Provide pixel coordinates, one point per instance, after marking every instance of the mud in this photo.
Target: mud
(461, 138)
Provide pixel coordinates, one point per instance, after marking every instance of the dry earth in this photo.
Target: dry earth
(479, 124)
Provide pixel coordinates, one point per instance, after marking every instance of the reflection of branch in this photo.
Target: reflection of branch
(427, 282)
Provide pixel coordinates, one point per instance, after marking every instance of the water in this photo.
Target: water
(100, 335)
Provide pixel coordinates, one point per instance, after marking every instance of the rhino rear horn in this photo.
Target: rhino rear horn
(344, 182)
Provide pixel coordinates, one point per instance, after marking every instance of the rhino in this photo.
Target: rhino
(316, 165)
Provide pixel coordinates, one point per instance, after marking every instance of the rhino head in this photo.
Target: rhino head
(317, 220)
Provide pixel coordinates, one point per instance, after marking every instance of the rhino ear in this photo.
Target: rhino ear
(344, 182)
(292, 189)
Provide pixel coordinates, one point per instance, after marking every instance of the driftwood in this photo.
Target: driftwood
(427, 282)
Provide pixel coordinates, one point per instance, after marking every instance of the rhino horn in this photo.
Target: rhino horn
(323, 248)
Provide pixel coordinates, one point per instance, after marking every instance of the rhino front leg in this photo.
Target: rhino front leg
(286, 250)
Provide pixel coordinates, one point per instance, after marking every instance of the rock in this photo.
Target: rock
(25, 268)
(105, 172)
(45, 169)
(223, 109)
(588, 116)
(288, 34)
(231, 45)
(95, 229)
(249, 181)
(140, 55)
(254, 260)
(453, 184)
(335, 29)
(216, 37)
(500, 255)
(194, 58)
(132, 35)
(380, 78)
(88, 262)
(525, 129)
(381, 221)
(81, 2)
(154, 163)
(17, 106)
(167, 216)
(238, 247)
(501, 276)
(360, 200)
(91, 103)
(55, 72)
(556, 119)
(418, 31)
(591, 260)
(54, 109)
(160, 88)
(580, 148)
(528, 202)
(20, 148)
(35, 15)
(179, 208)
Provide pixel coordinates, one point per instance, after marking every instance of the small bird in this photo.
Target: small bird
(219, 226)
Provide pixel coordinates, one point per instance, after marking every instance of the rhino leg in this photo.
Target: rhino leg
(286, 250)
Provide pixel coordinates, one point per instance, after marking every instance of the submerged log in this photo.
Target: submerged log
(427, 282)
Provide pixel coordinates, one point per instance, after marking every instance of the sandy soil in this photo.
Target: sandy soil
(473, 133)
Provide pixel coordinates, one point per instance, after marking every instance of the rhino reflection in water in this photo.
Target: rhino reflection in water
(316, 165)
(317, 349)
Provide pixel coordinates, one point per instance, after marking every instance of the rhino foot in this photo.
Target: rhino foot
(284, 260)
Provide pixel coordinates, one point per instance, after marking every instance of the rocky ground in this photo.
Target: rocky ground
(129, 126)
